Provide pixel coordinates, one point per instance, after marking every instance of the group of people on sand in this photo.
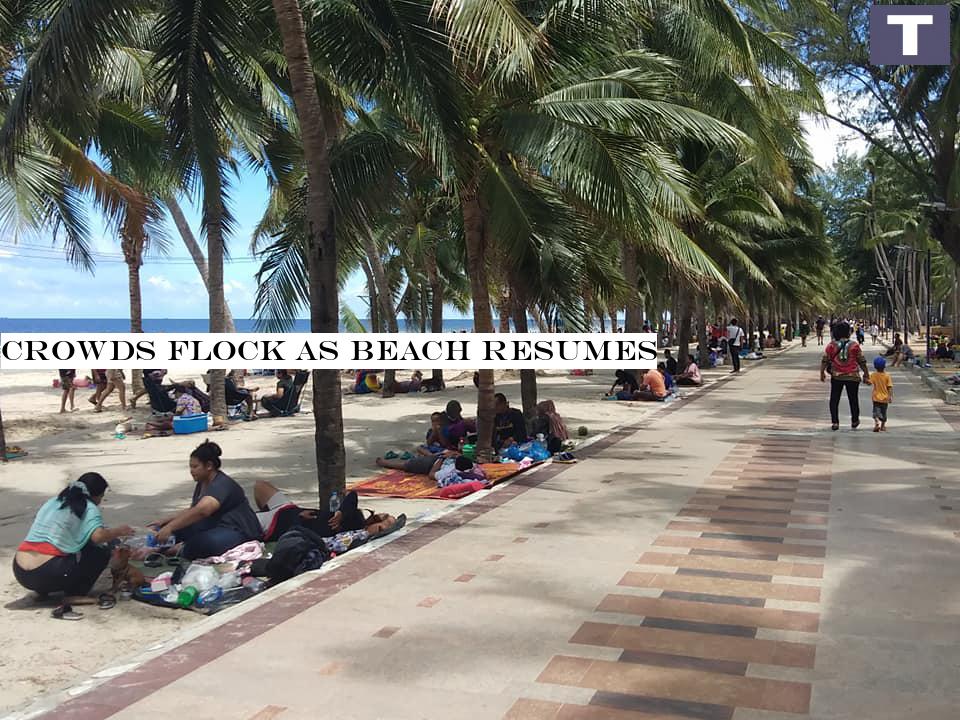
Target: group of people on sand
(441, 456)
(104, 382)
(168, 399)
(658, 383)
(68, 545)
(365, 381)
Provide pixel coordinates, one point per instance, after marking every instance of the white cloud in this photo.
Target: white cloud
(827, 138)
(159, 281)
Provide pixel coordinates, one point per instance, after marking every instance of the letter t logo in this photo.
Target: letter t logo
(910, 24)
(910, 34)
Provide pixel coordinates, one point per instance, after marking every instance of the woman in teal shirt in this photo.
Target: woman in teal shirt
(65, 548)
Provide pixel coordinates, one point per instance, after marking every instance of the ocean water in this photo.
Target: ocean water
(170, 325)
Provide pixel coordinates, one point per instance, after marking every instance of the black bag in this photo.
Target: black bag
(298, 550)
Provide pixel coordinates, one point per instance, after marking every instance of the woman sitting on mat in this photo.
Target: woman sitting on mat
(278, 513)
(690, 375)
(219, 517)
(64, 550)
(549, 423)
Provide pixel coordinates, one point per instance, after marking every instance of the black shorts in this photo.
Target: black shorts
(420, 465)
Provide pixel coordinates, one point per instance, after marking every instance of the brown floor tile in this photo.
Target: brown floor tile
(696, 626)
(742, 503)
(428, 602)
(765, 567)
(564, 670)
(494, 558)
(769, 531)
(694, 511)
(520, 540)
(642, 657)
(524, 709)
(647, 707)
(466, 577)
(712, 646)
(599, 712)
(699, 572)
(677, 684)
(718, 586)
(818, 551)
(711, 612)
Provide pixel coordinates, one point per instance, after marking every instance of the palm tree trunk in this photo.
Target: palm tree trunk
(504, 312)
(633, 322)
(132, 247)
(436, 308)
(475, 233)
(613, 321)
(387, 311)
(683, 326)
(317, 136)
(703, 342)
(528, 377)
(214, 214)
(193, 247)
(376, 324)
(3, 442)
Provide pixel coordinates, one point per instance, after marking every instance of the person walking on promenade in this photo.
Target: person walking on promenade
(821, 323)
(735, 337)
(843, 359)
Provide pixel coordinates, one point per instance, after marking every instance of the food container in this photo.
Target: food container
(186, 424)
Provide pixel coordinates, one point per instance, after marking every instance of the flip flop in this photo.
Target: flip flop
(407, 455)
(154, 560)
(106, 601)
(401, 521)
(65, 612)
(391, 455)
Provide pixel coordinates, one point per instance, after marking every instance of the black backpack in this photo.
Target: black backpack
(298, 550)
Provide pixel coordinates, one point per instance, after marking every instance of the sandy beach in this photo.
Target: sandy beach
(149, 478)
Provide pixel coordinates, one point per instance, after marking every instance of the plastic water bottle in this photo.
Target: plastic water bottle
(253, 584)
(334, 502)
(210, 596)
(540, 438)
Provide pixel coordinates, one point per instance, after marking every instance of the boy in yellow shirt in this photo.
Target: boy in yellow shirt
(882, 393)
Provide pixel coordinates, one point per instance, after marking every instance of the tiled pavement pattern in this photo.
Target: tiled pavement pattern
(682, 572)
(708, 603)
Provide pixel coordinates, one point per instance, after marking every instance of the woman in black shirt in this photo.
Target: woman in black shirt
(219, 517)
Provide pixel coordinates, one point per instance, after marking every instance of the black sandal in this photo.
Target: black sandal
(65, 612)
(106, 601)
(154, 560)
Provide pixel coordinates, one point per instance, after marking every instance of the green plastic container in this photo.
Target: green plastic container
(470, 451)
(187, 596)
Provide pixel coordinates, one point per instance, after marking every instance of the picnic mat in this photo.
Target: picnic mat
(401, 484)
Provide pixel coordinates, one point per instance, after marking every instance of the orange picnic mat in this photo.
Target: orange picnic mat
(398, 483)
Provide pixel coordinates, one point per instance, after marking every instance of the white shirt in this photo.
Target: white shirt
(734, 334)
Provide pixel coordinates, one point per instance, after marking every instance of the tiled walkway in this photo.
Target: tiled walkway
(729, 558)
(753, 536)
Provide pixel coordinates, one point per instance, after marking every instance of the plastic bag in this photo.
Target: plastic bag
(202, 577)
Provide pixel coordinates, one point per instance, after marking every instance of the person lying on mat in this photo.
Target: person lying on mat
(219, 517)
(450, 468)
(65, 550)
(277, 513)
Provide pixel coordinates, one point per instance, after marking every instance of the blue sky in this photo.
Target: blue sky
(37, 282)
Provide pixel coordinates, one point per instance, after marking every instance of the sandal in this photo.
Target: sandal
(65, 612)
(401, 521)
(391, 455)
(154, 560)
(407, 455)
(106, 601)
